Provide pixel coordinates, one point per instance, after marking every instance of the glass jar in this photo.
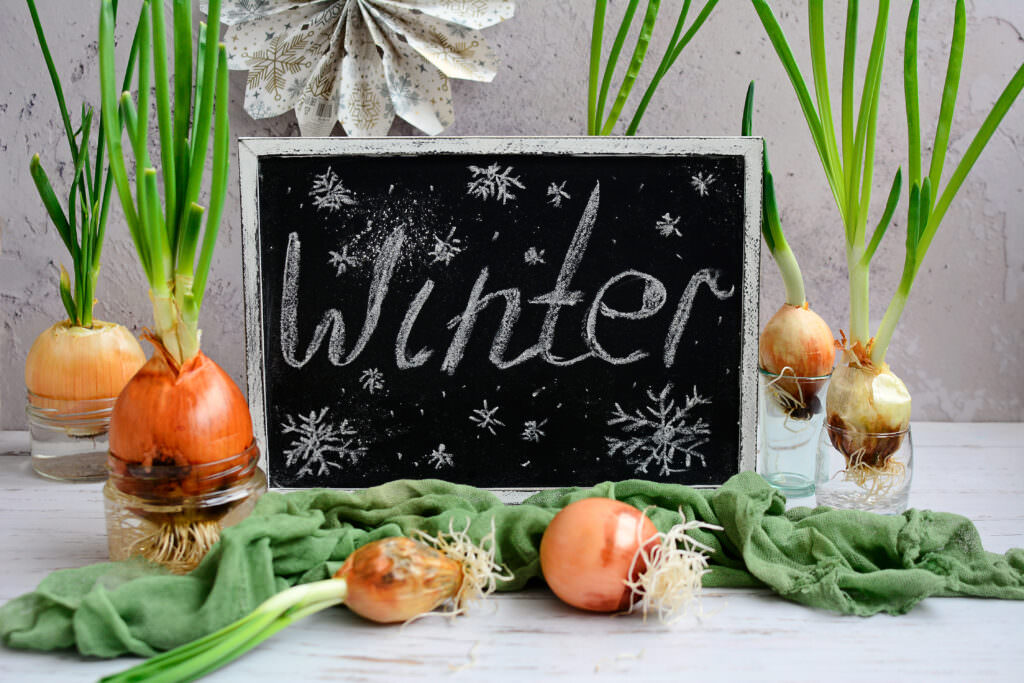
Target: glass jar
(791, 412)
(864, 471)
(69, 438)
(171, 514)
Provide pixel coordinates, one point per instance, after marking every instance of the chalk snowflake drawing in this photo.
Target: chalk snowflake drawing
(666, 225)
(493, 182)
(318, 443)
(532, 430)
(484, 418)
(557, 193)
(372, 380)
(659, 432)
(446, 249)
(702, 183)
(533, 256)
(342, 260)
(328, 192)
(440, 457)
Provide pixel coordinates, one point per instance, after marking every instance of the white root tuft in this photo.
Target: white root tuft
(675, 566)
(480, 572)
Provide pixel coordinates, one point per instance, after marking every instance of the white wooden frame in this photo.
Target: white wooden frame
(251, 149)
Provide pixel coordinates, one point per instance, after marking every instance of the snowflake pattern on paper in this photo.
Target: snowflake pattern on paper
(403, 94)
(557, 193)
(446, 249)
(372, 380)
(452, 51)
(533, 256)
(484, 418)
(532, 430)
(270, 67)
(342, 260)
(666, 226)
(328, 192)
(493, 182)
(244, 10)
(702, 183)
(365, 106)
(318, 443)
(441, 457)
(659, 432)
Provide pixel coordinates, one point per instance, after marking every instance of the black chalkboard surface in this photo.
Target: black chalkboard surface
(508, 313)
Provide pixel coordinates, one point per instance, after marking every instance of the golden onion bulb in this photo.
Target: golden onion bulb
(395, 579)
(797, 338)
(191, 421)
(868, 408)
(71, 363)
(797, 342)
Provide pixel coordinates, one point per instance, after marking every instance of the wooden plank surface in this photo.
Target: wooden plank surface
(972, 469)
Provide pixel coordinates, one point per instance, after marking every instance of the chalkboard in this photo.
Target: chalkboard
(511, 313)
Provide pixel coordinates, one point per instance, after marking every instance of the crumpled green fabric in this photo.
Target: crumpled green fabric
(852, 562)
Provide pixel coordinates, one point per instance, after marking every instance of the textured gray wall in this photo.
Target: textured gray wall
(959, 346)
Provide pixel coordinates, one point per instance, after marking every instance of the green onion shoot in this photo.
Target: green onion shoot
(600, 122)
(866, 400)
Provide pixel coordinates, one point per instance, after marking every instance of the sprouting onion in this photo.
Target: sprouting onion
(181, 411)
(388, 581)
(865, 398)
(79, 359)
(599, 85)
(795, 342)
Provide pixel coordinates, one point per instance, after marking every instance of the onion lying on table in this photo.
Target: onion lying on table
(604, 555)
(388, 581)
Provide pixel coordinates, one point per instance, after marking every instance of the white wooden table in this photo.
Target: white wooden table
(973, 469)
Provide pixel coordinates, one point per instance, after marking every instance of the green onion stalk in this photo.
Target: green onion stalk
(796, 345)
(867, 404)
(597, 122)
(181, 414)
(79, 359)
(390, 580)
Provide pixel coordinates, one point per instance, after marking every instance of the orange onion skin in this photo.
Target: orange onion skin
(193, 417)
(395, 579)
(71, 363)
(797, 338)
(587, 551)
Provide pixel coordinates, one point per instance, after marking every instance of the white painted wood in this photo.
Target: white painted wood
(971, 469)
(250, 150)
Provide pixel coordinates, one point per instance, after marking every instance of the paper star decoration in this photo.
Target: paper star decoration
(360, 62)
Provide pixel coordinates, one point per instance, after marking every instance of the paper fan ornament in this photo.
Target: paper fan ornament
(360, 62)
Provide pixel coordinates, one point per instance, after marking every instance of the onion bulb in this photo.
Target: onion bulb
(603, 555)
(69, 363)
(587, 551)
(396, 579)
(389, 580)
(178, 435)
(192, 417)
(796, 342)
(868, 408)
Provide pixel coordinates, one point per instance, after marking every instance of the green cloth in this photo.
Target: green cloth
(851, 562)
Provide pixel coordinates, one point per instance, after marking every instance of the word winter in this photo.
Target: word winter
(332, 324)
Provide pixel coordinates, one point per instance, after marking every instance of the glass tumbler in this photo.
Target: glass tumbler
(864, 471)
(791, 414)
(69, 438)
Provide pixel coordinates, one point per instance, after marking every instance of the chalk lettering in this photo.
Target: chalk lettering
(562, 295)
(383, 267)
(654, 297)
(402, 359)
(464, 326)
(706, 276)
